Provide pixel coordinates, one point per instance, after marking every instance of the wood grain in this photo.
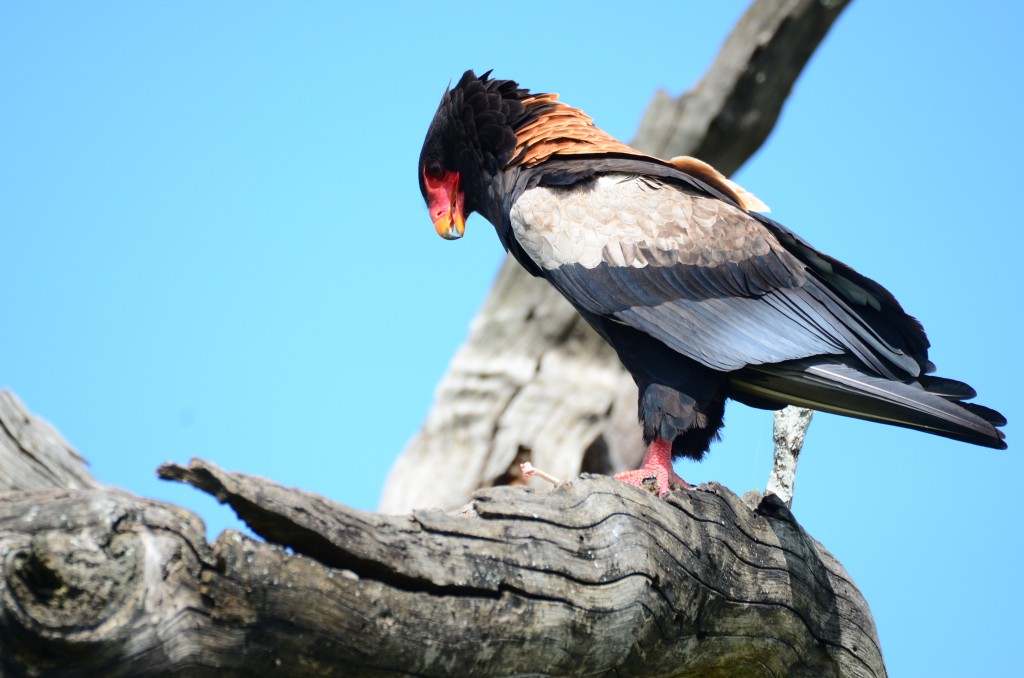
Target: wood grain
(520, 581)
(36, 456)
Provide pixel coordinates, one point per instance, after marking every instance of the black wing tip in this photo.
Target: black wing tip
(996, 440)
(950, 389)
(996, 443)
(956, 392)
(994, 418)
(987, 413)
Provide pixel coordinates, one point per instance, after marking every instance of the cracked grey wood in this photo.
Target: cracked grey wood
(520, 582)
(533, 382)
(98, 582)
(35, 455)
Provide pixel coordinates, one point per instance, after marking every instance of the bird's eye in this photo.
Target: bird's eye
(434, 169)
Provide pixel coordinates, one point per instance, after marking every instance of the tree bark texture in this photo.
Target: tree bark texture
(590, 578)
(35, 456)
(790, 428)
(533, 382)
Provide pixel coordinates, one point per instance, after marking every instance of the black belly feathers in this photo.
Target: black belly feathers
(702, 299)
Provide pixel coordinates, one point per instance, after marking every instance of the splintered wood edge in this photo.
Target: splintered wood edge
(34, 455)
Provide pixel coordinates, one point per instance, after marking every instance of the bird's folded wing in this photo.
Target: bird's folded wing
(699, 274)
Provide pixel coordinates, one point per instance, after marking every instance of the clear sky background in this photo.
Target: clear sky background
(213, 245)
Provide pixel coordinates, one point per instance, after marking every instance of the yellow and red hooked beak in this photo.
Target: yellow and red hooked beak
(446, 204)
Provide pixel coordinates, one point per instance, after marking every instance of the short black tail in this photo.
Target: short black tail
(931, 404)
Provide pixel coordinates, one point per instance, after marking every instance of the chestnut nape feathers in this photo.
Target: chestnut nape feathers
(703, 298)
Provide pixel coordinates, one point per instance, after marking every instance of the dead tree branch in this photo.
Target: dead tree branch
(101, 583)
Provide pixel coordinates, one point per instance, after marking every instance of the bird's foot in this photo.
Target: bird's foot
(666, 481)
(658, 465)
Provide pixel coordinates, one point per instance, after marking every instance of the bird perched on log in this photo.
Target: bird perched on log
(702, 297)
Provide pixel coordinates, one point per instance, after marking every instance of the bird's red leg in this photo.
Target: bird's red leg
(657, 464)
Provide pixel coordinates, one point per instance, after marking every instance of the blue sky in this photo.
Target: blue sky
(214, 245)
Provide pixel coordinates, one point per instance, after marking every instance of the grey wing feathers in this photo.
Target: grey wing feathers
(701, 275)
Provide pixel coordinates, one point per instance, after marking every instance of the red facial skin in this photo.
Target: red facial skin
(445, 202)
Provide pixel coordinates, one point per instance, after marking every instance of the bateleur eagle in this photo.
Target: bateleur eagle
(702, 297)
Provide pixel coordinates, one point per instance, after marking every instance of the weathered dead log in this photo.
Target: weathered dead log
(592, 577)
(533, 382)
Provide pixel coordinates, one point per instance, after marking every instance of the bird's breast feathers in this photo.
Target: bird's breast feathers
(632, 221)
